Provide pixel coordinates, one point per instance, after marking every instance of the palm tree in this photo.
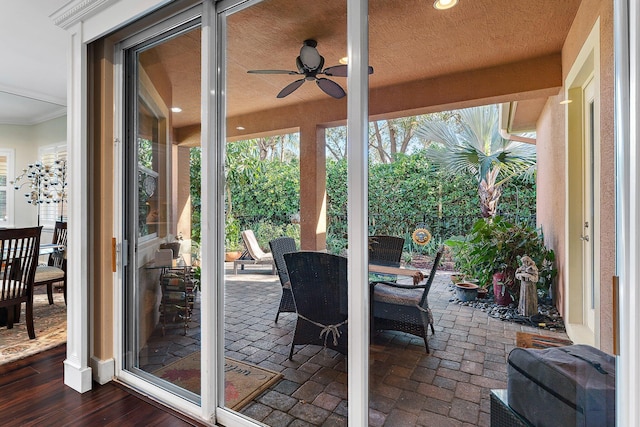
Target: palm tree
(470, 142)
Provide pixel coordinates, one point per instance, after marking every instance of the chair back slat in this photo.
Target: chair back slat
(59, 257)
(19, 251)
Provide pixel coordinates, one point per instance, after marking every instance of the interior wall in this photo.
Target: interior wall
(25, 141)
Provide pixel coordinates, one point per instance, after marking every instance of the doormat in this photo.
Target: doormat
(49, 323)
(527, 340)
(243, 381)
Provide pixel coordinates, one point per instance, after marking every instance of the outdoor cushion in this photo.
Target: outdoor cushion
(46, 273)
(398, 296)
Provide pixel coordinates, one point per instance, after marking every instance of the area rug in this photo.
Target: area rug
(49, 322)
(527, 340)
(243, 381)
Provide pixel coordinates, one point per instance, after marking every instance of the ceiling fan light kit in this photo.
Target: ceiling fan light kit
(309, 64)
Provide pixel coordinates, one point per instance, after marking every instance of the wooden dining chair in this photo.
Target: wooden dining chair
(56, 269)
(19, 249)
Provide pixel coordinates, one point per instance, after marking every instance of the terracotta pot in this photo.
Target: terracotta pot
(232, 255)
(501, 295)
(457, 278)
(466, 291)
(482, 293)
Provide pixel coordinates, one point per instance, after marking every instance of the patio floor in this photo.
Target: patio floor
(449, 387)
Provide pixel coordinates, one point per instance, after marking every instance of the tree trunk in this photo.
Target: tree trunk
(528, 305)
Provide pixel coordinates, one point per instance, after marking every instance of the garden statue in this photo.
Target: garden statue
(527, 273)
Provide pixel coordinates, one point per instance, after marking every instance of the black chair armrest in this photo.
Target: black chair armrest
(396, 285)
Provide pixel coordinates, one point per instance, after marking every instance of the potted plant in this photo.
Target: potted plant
(232, 245)
(466, 290)
(491, 253)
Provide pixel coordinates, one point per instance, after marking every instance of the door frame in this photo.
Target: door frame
(586, 69)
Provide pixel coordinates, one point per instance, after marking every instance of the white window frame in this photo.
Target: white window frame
(10, 154)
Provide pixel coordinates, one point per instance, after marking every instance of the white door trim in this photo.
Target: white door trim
(585, 68)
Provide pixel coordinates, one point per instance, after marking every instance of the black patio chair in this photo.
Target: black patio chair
(19, 248)
(404, 308)
(279, 247)
(319, 286)
(385, 250)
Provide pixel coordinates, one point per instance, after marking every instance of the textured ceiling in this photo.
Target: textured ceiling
(409, 40)
(33, 70)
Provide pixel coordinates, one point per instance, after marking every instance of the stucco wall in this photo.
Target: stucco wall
(551, 160)
(551, 172)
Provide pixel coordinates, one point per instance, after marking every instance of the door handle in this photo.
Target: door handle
(584, 238)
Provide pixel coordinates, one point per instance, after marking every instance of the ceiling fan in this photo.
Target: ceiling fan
(310, 64)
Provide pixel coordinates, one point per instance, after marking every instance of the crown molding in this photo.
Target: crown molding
(77, 10)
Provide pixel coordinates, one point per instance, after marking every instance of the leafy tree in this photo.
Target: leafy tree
(386, 137)
(195, 189)
(243, 166)
(279, 147)
(336, 143)
(474, 145)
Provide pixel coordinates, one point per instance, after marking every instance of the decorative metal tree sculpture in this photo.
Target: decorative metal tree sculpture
(45, 184)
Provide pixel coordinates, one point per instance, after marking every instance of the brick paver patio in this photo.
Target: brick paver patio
(449, 387)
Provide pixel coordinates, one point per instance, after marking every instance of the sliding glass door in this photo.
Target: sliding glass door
(161, 158)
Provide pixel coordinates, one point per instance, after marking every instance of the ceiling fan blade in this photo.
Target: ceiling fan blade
(273, 72)
(336, 71)
(331, 88)
(340, 71)
(288, 89)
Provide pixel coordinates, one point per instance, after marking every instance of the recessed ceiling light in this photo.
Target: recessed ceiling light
(240, 127)
(344, 60)
(176, 109)
(444, 4)
(566, 101)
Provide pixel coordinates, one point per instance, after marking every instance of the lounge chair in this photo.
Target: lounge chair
(254, 254)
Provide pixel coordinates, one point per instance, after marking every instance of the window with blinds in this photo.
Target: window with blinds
(55, 211)
(6, 191)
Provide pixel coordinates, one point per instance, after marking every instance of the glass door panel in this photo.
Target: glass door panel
(162, 195)
(291, 338)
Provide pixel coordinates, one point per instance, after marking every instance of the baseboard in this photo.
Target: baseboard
(77, 377)
(103, 370)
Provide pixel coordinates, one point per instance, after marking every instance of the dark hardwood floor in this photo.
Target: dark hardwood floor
(32, 393)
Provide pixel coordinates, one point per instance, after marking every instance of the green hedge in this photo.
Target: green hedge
(402, 195)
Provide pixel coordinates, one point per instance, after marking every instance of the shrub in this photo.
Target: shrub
(496, 246)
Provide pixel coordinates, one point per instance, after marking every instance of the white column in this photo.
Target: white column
(77, 373)
(357, 212)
